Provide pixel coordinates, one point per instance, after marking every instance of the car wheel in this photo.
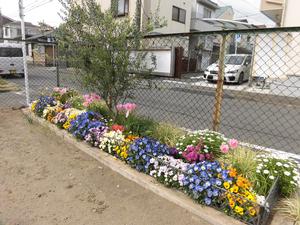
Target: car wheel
(241, 78)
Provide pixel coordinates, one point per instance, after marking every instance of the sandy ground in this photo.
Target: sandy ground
(43, 181)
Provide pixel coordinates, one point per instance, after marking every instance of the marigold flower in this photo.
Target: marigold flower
(232, 172)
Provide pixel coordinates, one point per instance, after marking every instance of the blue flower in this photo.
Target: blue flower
(207, 201)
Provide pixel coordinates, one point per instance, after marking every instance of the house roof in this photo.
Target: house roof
(18, 23)
(220, 11)
(228, 24)
(6, 19)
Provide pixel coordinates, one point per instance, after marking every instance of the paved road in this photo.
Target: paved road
(267, 124)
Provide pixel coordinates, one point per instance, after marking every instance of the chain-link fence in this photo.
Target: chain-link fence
(244, 83)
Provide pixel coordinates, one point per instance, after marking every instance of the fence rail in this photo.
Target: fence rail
(244, 83)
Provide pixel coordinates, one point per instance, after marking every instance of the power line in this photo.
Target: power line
(44, 2)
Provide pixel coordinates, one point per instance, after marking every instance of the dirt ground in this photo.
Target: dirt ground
(43, 181)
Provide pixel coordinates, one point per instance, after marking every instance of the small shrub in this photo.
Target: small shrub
(167, 133)
(136, 124)
(244, 160)
(290, 208)
(99, 107)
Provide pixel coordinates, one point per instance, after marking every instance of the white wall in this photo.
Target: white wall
(166, 13)
(291, 13)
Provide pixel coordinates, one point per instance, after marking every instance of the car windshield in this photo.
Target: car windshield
(234, 60)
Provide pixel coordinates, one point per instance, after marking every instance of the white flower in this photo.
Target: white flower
(152, 160)
(295, 178)
(286, 165)
(174, 178)
(265, 160)
(275, 171)
(260, 199)
(272, 177)
(278, 164)
(180, 143)
(257, 171)
(287, 173)
(266, 171)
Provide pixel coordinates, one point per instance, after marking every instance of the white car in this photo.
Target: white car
(237, 69)
(11, 59)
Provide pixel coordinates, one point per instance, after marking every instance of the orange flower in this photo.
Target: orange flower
(231, 203)
(232, 172)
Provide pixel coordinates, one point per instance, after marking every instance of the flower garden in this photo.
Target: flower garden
(209, 167)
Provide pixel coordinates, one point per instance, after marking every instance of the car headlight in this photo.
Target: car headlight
(233, 71)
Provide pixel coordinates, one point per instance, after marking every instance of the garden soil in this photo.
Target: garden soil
(44, 181)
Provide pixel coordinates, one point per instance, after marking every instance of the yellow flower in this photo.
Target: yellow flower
(66, 125)
(250, 197)
(234, 189)
(33, 105)
(239, 210)
(226, 185)
(231, 203)
(252, 211)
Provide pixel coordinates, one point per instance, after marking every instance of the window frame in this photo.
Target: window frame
(179, 11)
(125, 10)
(205, 9)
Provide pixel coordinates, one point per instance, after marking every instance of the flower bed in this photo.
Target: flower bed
(205, 165)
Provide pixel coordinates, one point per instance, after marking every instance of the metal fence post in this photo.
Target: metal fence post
(57, 67)
(220, 82)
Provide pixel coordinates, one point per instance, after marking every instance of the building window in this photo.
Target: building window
(178, 14)
(18, 31)
(6, 31)
(123, 7)
(206, 13)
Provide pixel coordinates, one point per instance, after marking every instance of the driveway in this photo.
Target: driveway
(44, 181)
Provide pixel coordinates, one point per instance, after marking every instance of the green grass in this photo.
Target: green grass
(290, 208)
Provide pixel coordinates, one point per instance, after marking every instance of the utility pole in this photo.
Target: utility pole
(1, 25)
(21, 11)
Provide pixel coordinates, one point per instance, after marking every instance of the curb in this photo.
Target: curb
(208, 214)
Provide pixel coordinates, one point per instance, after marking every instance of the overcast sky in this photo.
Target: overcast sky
(47, 10)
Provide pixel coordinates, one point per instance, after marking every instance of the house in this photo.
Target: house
(283, 12)
(280, 51)
(12, 30)
(43, 48)
(176, 13)
(4, 20)
(225, 13)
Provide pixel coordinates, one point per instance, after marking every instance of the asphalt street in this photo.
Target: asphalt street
(268, 124)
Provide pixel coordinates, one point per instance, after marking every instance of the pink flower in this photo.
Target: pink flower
(224, 148)
(128, 107)
(233, 143)
(63, 91)
(56, 89)
(119, 107)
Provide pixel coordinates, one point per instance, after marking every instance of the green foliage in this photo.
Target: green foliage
(290, 208)
(103, 48)
(100, 107)
(244, 160)
(76, 102)
(269, 167)
(136, 124)
(167, 133)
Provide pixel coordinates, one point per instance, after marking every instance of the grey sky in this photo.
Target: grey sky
(47, 10)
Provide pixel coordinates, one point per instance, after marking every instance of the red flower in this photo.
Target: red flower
(117, 127)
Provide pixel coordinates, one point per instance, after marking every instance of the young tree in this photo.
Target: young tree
(103, 48)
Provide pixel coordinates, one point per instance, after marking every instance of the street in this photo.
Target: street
(267, 124)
